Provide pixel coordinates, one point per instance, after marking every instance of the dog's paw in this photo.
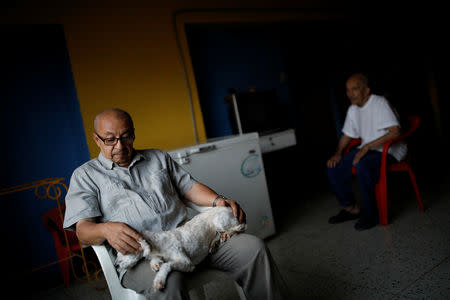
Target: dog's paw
(158, 285)
(155, 264)
(214, 245)
(126, 261)
(190, 268)
(146, 248)
(224, 237)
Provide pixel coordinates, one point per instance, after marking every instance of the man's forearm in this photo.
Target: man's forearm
(200, 195)
(119, 235)
(90, 233)
(393, 132)
(343, 142)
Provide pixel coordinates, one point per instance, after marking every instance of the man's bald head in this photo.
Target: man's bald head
(357, 88)
(115, 113)
(360, 77)
(114, 135)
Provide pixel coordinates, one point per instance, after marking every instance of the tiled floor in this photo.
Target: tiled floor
(409, 259)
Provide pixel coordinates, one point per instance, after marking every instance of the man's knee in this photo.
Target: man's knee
(331, 171)
(335, 174)
(250, 245)
(175, 288)
(176, 279)
(255, 242)
(362, 167)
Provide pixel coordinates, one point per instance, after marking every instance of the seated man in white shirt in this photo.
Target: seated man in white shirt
(371, 118)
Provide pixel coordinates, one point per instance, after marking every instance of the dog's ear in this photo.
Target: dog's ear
(242, 227)
(219, 222)
(223, 220)
(214, 245)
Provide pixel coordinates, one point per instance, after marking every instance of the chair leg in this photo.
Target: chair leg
(64, 264)
(65, 272)
(85, 266)
(381, 196)
(416, 188)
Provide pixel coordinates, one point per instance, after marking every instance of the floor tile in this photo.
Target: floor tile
(434, 284)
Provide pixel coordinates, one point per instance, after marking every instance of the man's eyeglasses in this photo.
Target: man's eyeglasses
(113, 140)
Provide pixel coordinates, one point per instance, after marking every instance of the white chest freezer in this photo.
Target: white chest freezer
(233, 167)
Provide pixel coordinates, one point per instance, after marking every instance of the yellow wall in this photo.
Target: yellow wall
(131, 60)
(125, 54)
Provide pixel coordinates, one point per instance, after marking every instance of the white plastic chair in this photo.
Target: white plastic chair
(117, 291)
(195, 284)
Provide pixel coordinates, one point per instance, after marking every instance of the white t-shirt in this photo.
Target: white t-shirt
(371, 122)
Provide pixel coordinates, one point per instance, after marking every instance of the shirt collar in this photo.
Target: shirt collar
(106, 163)
(367, 102)
(137, 157)
(109, 164)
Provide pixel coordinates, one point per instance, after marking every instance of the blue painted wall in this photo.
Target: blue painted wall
(42, 133)
(228, 56)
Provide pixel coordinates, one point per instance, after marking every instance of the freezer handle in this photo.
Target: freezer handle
(203, 149)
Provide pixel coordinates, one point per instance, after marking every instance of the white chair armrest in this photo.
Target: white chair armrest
(116, 289)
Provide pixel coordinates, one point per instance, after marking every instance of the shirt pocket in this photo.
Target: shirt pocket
(162, 192)
(115, 197)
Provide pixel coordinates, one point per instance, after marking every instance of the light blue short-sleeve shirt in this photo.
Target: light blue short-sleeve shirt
(146, 195)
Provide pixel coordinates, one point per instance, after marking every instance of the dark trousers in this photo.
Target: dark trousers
(367, 174)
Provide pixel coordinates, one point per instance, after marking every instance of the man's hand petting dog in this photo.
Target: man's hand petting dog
(184, 247)
(123, 238)
(235, 207)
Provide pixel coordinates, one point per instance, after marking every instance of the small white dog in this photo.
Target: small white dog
(182, 248)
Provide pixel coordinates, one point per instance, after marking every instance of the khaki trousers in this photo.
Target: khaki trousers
(244, 258)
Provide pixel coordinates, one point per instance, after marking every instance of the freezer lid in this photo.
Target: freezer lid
(215, 144)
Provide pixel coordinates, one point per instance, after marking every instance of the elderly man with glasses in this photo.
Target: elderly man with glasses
(123, 191)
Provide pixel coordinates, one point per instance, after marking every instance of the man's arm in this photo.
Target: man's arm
(202, 195)
(119, 235)
(393, 132)
(343, 142)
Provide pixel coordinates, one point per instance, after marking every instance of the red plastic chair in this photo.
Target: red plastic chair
(402, 166)
(66, 242)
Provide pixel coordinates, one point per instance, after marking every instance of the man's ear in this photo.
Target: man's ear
(96, 139)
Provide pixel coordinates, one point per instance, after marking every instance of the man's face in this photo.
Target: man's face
(110, 127)
(357, 91)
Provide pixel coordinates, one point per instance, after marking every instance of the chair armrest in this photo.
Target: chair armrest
(108, 269)
(115, 287)
(351, 144)
(414, 123)
(386, 147)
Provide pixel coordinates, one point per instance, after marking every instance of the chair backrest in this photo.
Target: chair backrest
(53, 223)
(414, 122)
(117, 291)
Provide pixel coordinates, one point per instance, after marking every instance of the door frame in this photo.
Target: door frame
(183, 18)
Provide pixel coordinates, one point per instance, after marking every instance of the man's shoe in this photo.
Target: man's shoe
(342, 216)
(364, 224)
